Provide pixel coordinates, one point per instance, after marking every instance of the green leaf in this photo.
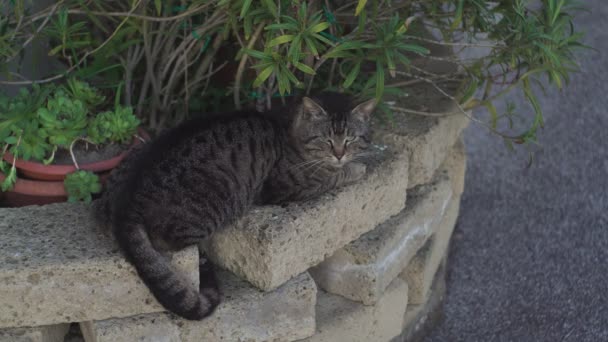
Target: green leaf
(323, 39)
(469, 92)
(283, 26)
(319, 27)
(493, 113)
(12, 140)
(258, 54)
(280, 40)
(263, 76)
(272, 7)
(415, 48)
(458, 15)
(304, 68)
(311, 47)
(159, 6)
(352, 75)
(10, 179)
(245, 8)
(294, 51)
(360, 6)
(379, 81)
(392, 69)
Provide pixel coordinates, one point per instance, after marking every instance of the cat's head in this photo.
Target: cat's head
(331, 129)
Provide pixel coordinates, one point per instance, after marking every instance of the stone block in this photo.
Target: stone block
(422, 268)
(57, 266)
(455, 166)
(47, 333)
(363, 269)
(245, 314)
(419, 319)
(427, 140)
(272, 244)
(340, 319)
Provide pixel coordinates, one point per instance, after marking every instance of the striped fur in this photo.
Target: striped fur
(205, 174)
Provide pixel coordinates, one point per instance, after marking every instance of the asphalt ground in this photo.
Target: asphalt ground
(529, 257)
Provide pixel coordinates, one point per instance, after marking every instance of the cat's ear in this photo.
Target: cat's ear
(364, 111)
(311, 109)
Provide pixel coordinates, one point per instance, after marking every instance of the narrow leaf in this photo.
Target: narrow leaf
(379, 81)
(360, 6)
(245, 8)
(263, 76)
(280, 40)
(304, 68)
(159, 6)
(352, 75)
(319, 27)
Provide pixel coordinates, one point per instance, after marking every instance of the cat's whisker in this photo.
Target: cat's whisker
(302, 164)
(311, 165)
(320, 165)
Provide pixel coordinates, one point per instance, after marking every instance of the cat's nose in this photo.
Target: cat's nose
(339, 152)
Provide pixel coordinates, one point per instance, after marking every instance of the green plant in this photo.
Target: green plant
(38, 122)
(63, 119)
(81, 185)
(118, 125)
(163, 56)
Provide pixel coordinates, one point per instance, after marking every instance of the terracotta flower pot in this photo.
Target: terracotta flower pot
(39, 184)
(38, 171)
(37, 192)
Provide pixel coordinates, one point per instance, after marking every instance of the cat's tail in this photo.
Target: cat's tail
(170, 287)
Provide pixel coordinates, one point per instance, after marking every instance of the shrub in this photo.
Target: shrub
(161, 55)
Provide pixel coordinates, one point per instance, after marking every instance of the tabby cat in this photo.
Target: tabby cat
(204, 174)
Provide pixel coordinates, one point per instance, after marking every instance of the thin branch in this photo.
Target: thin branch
(86, 55)
(417, 112)
(437, 42)
(130, 14)
(242, 63)
(32, 36)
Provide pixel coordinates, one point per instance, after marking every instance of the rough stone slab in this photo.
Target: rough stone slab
(428, 140)
(421, 318)
(246, 314)
(57, 266)
(455, 167)
(422, 268)
(340, 319)
(363, 269)
(272, 244)
(47, 333)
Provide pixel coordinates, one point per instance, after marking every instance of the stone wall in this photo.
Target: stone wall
(362, 263)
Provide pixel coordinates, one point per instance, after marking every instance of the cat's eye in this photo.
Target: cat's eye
(330, 142)
(349, 140)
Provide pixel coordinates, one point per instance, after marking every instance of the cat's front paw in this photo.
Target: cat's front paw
(356, 171)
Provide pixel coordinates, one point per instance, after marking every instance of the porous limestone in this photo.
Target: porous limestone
(57, 266)
(272, 244)
(245, 315)
(340, 319)
(46, 333)
(363, 269)
(420, 271)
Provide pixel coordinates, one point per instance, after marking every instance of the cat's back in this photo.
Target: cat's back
(226, 153)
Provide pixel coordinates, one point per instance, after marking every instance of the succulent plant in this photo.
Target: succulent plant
(81, 185)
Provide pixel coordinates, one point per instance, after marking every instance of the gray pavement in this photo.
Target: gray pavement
(529, 259)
